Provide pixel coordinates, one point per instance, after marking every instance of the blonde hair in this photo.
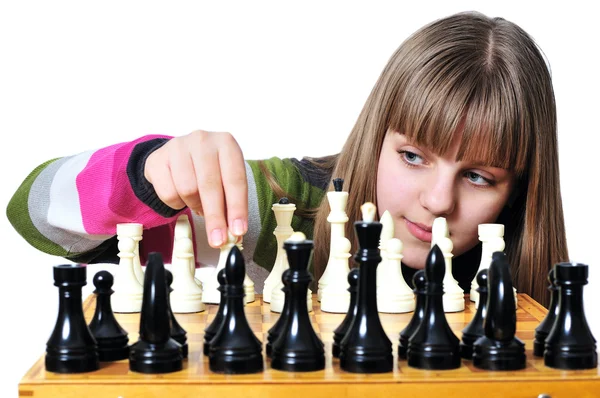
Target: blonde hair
(487, 76)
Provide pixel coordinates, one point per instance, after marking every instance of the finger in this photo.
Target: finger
(184, 176)
(235, 184)
(208, 176)
(158, 173)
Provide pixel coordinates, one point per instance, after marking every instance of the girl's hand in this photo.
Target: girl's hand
(204, 171)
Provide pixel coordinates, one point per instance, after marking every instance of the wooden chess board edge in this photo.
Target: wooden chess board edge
(489, 388)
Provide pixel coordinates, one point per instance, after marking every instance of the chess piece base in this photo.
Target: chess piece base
(236, 364)
(395, 305)
(151, 358)
(574, 359)
(187, 305)
(495, 355)
(126, 303)
(336, 303)
(539, 344)
(466, 345)
(113, 349)
(71, 360)
(367, 364)
(453, 303)
(296, 362)
(423, 358)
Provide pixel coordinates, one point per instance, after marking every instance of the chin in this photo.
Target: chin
(415, 264)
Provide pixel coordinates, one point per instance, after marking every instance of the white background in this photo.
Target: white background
(285, 80)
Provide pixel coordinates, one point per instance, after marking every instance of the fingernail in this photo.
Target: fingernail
(238, 227)
(216, 236)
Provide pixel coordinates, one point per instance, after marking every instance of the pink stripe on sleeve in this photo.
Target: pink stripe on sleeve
(105, 194)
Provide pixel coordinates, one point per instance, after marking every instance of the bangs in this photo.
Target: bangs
(446, 99)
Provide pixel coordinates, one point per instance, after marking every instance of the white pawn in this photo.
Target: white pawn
(393, 294)
(454, 296)
(133, 231)
(183, 229)
(283, 214)
(492, 240)
(128, 294)
(210, 294)
(387, 233)
(337, 219)
(249, 294)
(186, 296)
(277, 295)
(335, 296)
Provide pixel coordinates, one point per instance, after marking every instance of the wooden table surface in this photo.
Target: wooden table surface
(196, 380)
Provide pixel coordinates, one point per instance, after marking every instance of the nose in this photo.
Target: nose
(438, 195)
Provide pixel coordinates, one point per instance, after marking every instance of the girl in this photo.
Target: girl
(461, 124)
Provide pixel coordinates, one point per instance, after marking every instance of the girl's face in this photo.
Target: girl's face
(416, 187)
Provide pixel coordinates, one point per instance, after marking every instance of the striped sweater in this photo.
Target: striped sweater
(70, 206)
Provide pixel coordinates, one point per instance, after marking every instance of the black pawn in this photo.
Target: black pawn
(366, 347)
(570, 344)
(111, 337)
(276, 329)
(298, 348)
(417, 317)
(71, 347)
(541, 332)
(177, 332)
(155, 351)
(340, 331)
(434, 346)
(499, 348)
(474, 329)
(235, 349)
(211, 330)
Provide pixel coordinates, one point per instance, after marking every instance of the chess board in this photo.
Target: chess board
(195, 380)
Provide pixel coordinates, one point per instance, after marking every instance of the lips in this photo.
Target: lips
(419, 231)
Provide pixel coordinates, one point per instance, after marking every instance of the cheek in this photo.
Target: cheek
(392, 189)
(466, 236)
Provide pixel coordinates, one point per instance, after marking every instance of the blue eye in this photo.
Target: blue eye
(477, 179)
(411, 157)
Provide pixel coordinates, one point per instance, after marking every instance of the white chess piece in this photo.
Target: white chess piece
(283, 214)
(387, 233)
(335, 295)
(277, 295)
(337, 220)
(454, 297)
(393, 293)
(492, 239)
(249, 294)
(135, 232)
(183, 229)
(186, 296)
(210, 294)
(128, 294)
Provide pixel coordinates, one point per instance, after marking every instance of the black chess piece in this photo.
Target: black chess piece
(235, 349)
(71, 347)
(178, 333)
(111, 337)
(211, 330)
(155, 351)
(417, 317)
(434, 346)
(342, 329)
(474, 329)
(276, 329)
(541, 332)
(499, 348)
(570, 344)
(297, 348)
(338, 184)
(366, 347)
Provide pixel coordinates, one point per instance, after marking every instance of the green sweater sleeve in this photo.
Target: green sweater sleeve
(302, 183)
